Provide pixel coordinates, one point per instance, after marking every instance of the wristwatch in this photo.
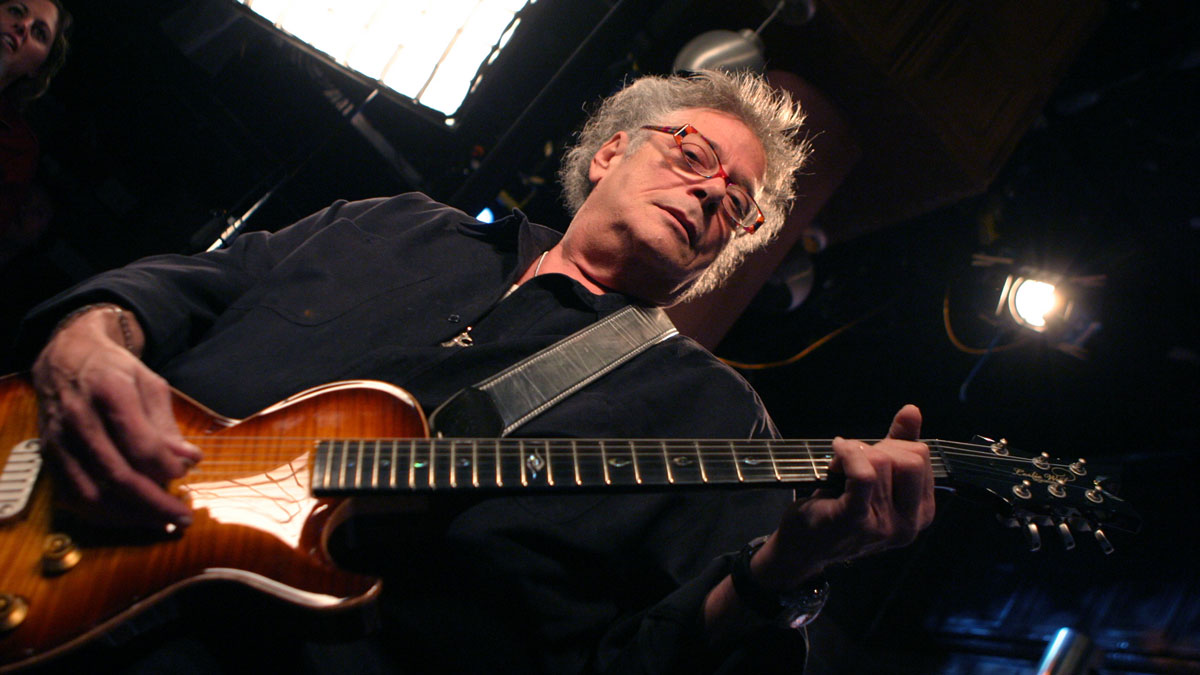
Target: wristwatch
(789, 609)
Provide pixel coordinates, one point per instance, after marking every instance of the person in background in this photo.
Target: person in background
(33, 47)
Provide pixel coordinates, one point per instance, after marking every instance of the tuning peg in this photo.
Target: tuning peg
(1068, 539)
(1035, 537)
(1102, 539)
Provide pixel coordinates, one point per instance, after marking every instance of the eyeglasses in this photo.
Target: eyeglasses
(738, 206)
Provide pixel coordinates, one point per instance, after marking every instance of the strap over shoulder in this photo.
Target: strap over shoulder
(496, 406)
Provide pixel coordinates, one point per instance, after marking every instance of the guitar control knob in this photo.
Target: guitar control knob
(59, 554)
(1079, 467)
(1022, 490)
(13, 610)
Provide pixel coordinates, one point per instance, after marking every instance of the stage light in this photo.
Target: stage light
(740, 50)
(428, 50)
(1031, 301)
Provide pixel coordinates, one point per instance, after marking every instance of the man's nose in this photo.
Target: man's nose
(710, 191)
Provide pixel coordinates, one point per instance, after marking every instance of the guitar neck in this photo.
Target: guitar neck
(342, 467)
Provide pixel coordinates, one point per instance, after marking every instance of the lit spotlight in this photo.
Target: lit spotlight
(1031, 301)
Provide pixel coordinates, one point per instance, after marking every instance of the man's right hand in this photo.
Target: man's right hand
(107, 422)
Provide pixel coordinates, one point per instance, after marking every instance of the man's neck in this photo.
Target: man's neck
(555, 261)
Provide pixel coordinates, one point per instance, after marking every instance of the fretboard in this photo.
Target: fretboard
(342, 467)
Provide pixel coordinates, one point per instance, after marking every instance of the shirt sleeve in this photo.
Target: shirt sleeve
(176, 298)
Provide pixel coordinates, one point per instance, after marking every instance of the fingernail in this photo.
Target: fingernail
(190, 451)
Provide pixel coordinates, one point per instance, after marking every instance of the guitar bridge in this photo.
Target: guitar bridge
(19, 477)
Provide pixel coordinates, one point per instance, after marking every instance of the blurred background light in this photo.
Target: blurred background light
(428, 50)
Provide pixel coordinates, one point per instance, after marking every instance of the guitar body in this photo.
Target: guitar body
(255, 521)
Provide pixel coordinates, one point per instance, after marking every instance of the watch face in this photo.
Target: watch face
(802, 606)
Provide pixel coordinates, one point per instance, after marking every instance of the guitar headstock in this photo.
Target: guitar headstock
(1039, 491)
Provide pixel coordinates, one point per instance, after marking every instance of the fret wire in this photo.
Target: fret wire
(318, 467)
(412, 464)
(774, 466)
(432, 464)
(521, 462)
(604, 464)
(737, 464)
(363, 461)
(700, 461)
(375, 465)
(346, 464)
(667, 462)
(637, 471)
(453, 463)
(475, 463)
(813, 459)
(499, 478)
(392, 472)
(549, 464)
(575, 458)
(328, 463)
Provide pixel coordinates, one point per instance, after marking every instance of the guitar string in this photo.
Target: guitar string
(514, 448)
(520, 449)
(759, 472)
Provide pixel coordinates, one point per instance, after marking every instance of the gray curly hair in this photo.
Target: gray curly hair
(768, 112)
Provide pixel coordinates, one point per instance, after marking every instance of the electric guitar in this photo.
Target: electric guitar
(272, 488)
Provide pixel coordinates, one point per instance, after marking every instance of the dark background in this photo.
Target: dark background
(172, 116)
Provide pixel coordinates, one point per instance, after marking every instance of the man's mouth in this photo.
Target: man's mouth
(688, 226)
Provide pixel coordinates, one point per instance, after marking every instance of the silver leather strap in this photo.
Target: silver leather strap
(526, 389)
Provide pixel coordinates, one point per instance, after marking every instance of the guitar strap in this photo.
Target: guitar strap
(494, 407)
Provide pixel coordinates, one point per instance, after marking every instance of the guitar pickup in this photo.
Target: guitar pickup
(19, 477)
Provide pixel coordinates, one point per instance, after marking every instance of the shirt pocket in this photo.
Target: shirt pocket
(336, 270)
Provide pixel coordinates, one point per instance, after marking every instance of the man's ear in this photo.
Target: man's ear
(611, 152)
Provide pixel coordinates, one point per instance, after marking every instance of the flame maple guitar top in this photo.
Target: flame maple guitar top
(255, 520)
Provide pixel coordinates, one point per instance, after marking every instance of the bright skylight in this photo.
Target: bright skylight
(428, 50)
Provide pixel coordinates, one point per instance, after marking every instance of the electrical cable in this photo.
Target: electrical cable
(1020, 342)
(804, 352)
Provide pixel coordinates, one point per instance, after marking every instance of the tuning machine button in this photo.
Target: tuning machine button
(1022, 490)
(1102, 539)
(1034, 536)
(1068, 539)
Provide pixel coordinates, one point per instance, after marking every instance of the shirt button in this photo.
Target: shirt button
(454, 318)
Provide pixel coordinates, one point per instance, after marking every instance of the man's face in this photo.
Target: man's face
(656, 224)
(26, 35)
